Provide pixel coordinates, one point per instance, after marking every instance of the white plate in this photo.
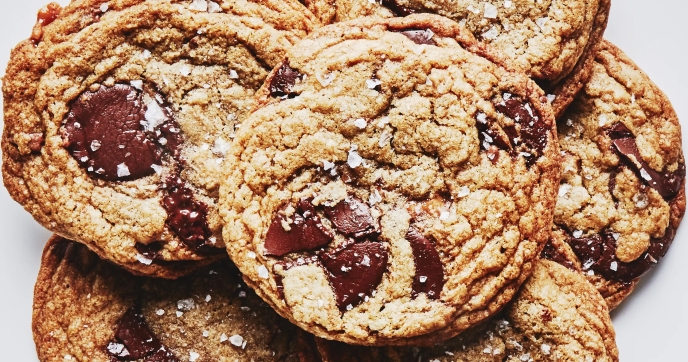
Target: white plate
(650, 325)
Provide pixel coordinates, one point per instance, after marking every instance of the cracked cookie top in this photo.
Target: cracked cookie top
(89, 310)
(118, 115)
(622, 194)
(391, 187)
(557, 316)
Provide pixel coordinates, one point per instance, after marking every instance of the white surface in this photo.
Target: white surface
(650, 325)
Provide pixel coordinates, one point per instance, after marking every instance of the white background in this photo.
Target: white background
(651, 325)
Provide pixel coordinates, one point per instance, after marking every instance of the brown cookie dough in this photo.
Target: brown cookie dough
(557, 316)
(622, 194)
(118, 115)
(86, 309)
(392, 187)
(552, 41)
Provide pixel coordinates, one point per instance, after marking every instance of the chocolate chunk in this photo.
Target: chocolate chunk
(284, 80)
(352, 218)
(429, 278)
(186, 216)
(420, 36)
(598, 252)
(355, 271)
(529, 129)
(551, 253)
(489, 136)
(36, 142)
(397, 9)
(306, 233)
(134, 340)
(150, 251)
(546, 315)
(103, 132)
(667, 183)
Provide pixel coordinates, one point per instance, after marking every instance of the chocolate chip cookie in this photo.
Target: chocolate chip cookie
(392, 187)
(86, 309)
(118, 115)
(622, 193)
(557, 316)
(552, 41)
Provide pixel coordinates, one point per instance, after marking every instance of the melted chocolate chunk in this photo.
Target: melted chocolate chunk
(397, 9)
(306, 233)
(104, 133)
(134, 340)
(599, 253)
(352, 217)
(531, 131)
(186, 216)
(429, 278)
(284, 80)
(668, 184)
(36, 142)
(150, 251)
(355, 271)
(551, 253)
(420, 36)
(489, 136)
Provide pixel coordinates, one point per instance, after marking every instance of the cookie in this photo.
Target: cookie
(552, 41)
(622, 194)
(557, 316)
(87, 309)
(118, 115)
(391, 187)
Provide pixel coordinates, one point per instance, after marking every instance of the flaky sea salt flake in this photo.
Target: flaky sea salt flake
(236, 340)
(360, 123)
(199, 5)
(186, 304)
(373, 83)
(143, 260)
(193, 356)
(263, 272)
(154, 116)
(354, 160)
(104, 7)
(491, 34)
(122, 170)
(490, 11)
(214, 7)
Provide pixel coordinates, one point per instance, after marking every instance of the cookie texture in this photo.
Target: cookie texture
(87, 309)
(552, 41)
(622, 194)
(118, 115)
(557, 316)
(391, 187)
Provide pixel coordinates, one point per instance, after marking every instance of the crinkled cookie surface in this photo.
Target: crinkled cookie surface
(392, 187)
(622, 195)
(88, 310)
(557, 316)
(553, 41)
(118, 115)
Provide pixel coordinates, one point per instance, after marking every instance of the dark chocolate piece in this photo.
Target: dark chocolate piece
(104, 134)
(668, 184)
(598, 252)
(429, 278)
(397, 9)
(355, 271)
(134, 340)
(150, 251)
(352, 217)
(531, 132)
(36, 142)
(551, 253)
(307, 232)
(489, 136)
(284, 80)
(420, 36)
(186, 216)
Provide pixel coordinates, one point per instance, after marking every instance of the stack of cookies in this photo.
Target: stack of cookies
(337, 180)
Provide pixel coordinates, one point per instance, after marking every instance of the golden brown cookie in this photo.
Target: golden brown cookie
(552, 41)
(392, 187)
(118, 115)
(557, 316)
(89, 310)
(622, 195)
